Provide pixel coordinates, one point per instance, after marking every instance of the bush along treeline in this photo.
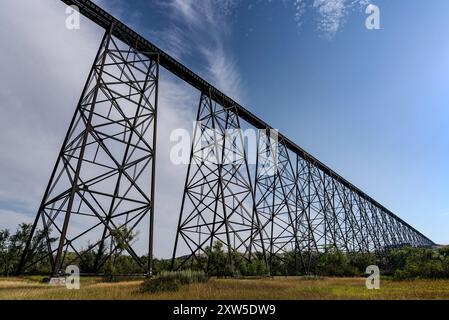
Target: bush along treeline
(400, 263)
(412, 263)
(331, 263)
(13, 244)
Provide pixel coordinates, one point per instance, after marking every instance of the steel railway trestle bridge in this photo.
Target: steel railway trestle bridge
(104, 177)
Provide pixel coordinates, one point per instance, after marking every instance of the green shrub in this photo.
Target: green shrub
(160, 285)
(185, 276)
(172, 281)
(412, 263)
(335, 263)
(359, 261)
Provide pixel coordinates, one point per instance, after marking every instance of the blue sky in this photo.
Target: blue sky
(371, 104)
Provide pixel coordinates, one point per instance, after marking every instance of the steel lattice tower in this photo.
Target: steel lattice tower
(104, 175)
(218, 202)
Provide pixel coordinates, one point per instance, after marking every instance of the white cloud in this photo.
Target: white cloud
(43, 69)
(11, 219)
(331, 14)
(187, 10)
(223, 71)
(202, 29)
(300, 8)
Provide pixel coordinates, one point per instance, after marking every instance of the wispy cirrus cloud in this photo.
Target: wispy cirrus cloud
(330, 14)
(203, 29)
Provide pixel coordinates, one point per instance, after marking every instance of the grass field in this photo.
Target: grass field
(295, 288)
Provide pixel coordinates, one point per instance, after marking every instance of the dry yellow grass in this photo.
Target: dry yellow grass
(292, 288)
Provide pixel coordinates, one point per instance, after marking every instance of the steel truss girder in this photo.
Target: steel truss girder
(103, 180)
